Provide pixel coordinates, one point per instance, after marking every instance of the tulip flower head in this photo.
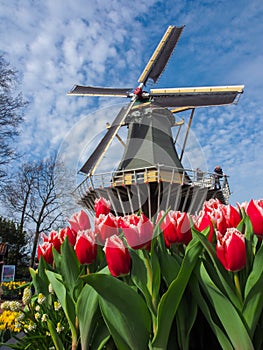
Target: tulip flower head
(138, 231)
(254, 210)
(231, 249)
(211, 205)
(86, 247)
(176, 228)
(67, 232)
(102, 206)
(117, 256)
(55, 240)
(105, 226)
(202, 221)
(45, 250)
(79, 221)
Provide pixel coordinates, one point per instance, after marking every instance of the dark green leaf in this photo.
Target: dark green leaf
(86, 309)
(202, 303)
(171, 299)
(229, 316)
(124, 312)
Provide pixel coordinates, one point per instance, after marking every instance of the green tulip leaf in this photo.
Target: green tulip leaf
(156, 278)
(253, 300)
(139, 276)
(169, 267)
(171, 299)
(229, 316)
(39, 277)
(185, 318)
(124, 312)
(204, 307)
(70, 269)
(87, 313)
(65, 300)
(55, 337)
(101, 336)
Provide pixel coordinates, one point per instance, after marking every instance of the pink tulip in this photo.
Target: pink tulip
(231, 249)
(102, 206)
(79, 221)
(138, 231)
(176, 228)
(117, 256)
(86, 247)
(105, 226)
(255, 212)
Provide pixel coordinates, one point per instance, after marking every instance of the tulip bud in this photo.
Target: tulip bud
(86, 247)
(202, 221)
(102, 206)
(255, 212)
(231, 249)
(45, 250)
(117, 256)
(54, 239)
(176, 228)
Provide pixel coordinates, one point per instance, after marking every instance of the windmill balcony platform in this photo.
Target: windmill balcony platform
(151, 189)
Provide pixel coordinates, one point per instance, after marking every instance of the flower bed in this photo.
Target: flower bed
(183, 282)
(12, 290)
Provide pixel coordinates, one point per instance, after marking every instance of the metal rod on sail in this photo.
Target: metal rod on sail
(187, 132)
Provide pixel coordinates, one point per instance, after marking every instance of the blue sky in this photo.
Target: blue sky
(56, 44)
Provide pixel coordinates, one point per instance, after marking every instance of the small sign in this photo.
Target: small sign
(8, 273)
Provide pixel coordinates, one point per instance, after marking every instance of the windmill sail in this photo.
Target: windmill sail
(197, 96)
(91, 164)
(161, 55)
(80, 90)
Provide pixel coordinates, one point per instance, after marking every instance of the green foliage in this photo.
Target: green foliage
(11, 234)
(173, 298)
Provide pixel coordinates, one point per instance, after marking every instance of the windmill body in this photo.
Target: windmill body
(150, 176)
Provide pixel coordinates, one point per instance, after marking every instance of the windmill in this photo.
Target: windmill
(150, 176)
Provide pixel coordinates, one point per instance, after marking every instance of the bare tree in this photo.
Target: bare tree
(32, 196)
(11, 107)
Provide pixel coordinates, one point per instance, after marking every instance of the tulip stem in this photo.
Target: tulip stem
(237, 285)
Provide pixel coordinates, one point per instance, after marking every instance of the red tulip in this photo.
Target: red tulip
(117, 256)
(45, 250)
(105, 226)
(202, 221)
(67, 232)
(231, 249)
(54, 239)
(138, 231)
(79, 221)
(86, 247)
(255, 212)
(222, 216)
(176, 228)
(211, 205)
(102, 206)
